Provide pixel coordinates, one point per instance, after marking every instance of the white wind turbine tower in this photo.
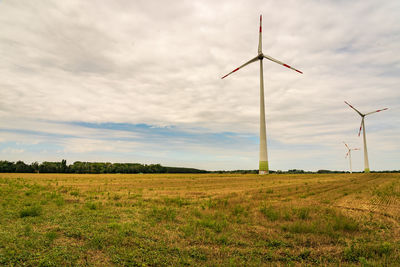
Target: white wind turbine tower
(263, 165)
(349, 154)
(362, 126)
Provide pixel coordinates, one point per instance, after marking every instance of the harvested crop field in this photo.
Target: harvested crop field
(199, 219)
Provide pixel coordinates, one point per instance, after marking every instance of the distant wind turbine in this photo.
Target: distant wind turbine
(362, 126)
(263, 165)
(349, 154)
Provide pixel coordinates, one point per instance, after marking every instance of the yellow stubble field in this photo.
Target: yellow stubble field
(200, 219)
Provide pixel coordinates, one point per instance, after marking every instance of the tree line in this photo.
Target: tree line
(107, 167)
(90, 167)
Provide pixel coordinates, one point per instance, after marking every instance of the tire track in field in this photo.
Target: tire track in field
(375, 203)
(330, 190)
(393, 219)
(369, 211)
(336, 194)
(361, 182)
(388, 204)
(327, 187)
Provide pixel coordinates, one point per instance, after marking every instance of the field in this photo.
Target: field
(201, 219)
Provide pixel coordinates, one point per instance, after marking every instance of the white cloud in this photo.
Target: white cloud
(160, 64)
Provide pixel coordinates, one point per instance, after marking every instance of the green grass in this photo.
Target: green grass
(199, 220)
(270, 213)
(32, 211)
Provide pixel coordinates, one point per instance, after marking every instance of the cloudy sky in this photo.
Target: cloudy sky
(139, 81)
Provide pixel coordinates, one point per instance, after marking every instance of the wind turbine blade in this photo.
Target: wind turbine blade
(346, 145)
(245, 64)
(355, 149)
(281, 63)
(379, 110)
(354, 109)
(260, 37)
(346, 155)
(360, 127)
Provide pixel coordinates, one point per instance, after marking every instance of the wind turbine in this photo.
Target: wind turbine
(263, 166)
(362, 126)
(349, 154)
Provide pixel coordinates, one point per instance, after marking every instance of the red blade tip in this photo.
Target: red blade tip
(287, 66)
(230, 72)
